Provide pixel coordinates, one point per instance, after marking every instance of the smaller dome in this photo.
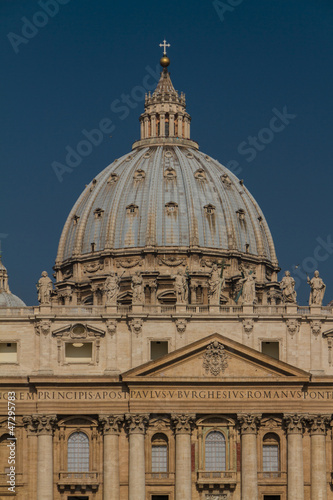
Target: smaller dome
(8, 299)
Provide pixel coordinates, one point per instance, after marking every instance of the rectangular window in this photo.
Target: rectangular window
(8, 352)
(159, 458)
(158, 349)
(271, 349)
(78, 352)
(270, 457)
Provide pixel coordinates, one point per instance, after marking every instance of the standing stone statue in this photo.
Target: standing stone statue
(287, 286)
(181, 287)
(111, 289)
(44, 289)
(249, 289)
(137, 288)
(317, 290)
(215, 285)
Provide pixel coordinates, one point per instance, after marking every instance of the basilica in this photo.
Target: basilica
(166, 360)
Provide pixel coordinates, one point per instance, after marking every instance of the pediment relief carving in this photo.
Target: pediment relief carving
(215, 359)
(78, 331)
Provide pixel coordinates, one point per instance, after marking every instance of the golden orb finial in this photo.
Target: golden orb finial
(164, 61)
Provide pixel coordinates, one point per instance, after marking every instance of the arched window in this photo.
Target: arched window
(78, 452)
(159, 453)
(215, 451)
(270, 454)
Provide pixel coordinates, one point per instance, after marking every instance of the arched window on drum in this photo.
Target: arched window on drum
(78, 452)
(215, 451)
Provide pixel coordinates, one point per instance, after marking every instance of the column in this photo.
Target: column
(294, 429)
(136, 426)
(30, 467)
(180, 126)
(162, 125)
(318, 428)
(249, 468)
(111, 428)
(182, 426)
(146, 127)
(153, 126)
(171, 125)
(43, 426)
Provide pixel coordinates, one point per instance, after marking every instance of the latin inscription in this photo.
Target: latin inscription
(160, 395)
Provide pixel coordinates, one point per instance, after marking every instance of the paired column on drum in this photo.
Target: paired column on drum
(249, 482)
(183, 425)
(318, 427)
(294, 424)
(110, 425)
(136, 427)
(43, 426)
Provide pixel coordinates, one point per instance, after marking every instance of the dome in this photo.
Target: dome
(7, 299)
(166, 196)
(162, 206)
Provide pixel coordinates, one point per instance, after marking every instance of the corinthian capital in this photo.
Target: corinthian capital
(318, 423)
(40, 424)
(249, 422)
(136, 423)
(111, 424)
(294, 422)
(183, 423)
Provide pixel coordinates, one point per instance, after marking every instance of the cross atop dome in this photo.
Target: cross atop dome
(165, 45)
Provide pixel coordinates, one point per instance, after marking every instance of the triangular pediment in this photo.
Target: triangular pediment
(219, 358)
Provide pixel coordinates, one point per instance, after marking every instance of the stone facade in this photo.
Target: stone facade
(167, 372)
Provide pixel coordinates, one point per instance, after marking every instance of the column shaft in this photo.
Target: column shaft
(183, 467)
(111, 487)
(44, 467)
(137, 479)
(318, 467)
(295, 467)
(249, 467)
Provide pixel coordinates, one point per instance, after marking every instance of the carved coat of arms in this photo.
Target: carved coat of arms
(215, 358)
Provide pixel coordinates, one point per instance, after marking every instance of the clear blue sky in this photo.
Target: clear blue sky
(236, 66)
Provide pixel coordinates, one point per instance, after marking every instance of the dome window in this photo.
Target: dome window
(112, 178)
(171, 207)
(129, 158)
(98, 213)
(75, 219)
(241, 214)
(200, 174)
(209, 209)
(189, 155)
(168, 154)
(139, 175)
(132, 209)
(226, 180)
(170, 173)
